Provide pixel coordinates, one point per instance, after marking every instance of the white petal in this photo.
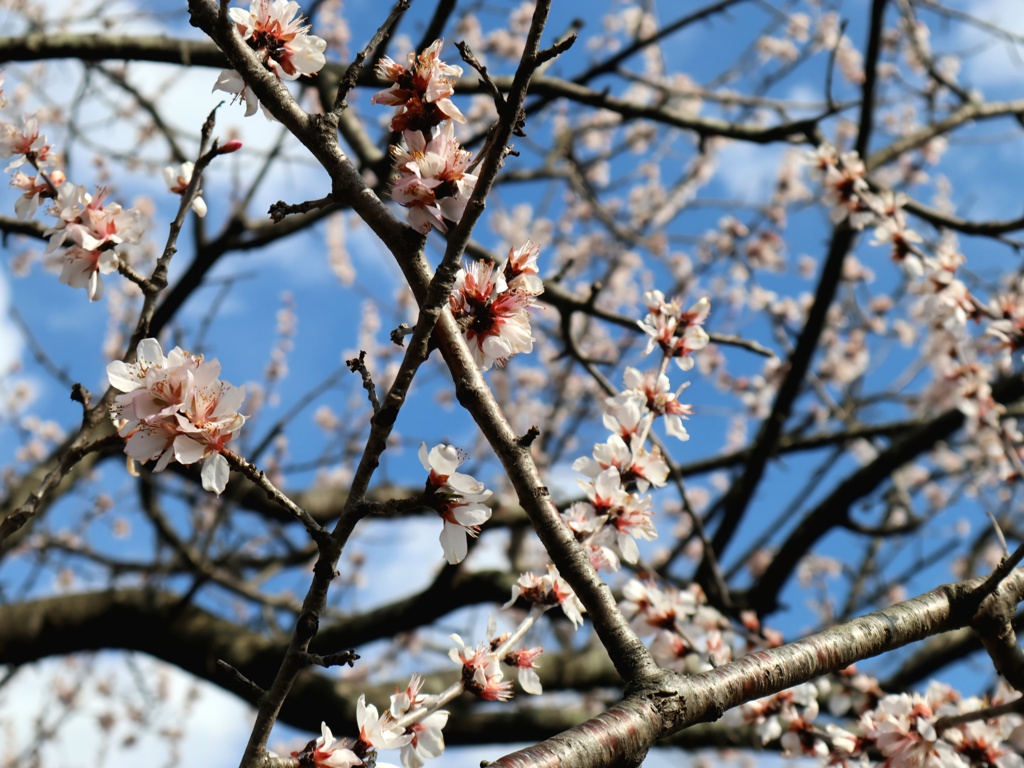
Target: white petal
(453, 542)
(188, 451)
(215, 473)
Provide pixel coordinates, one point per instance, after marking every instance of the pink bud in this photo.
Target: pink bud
(232, 146)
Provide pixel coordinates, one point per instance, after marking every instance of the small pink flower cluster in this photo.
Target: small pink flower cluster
(492, 305)
(899, 728)
(274, 30)
(433, 179)
(175, 408)
(95, 228)
(421, 90)
(678, 333)
(457, 498)
(690, 636)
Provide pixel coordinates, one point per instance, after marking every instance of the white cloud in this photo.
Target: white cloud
(215, 724)
(747, 170)
(11, 340)
(994, 62)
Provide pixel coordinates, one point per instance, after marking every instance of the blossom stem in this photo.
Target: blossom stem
(257, 476)
(524, 626)
(450, 693)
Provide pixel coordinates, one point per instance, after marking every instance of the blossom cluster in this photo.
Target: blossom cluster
(93, 228)
(491, 305)
(964, 364)
(433, 181)
(275, 32)
(907, 730)
(90, 231)
(420, 741)
(175, 408)
(621, 470)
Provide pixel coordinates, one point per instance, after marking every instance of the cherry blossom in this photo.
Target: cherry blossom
(426, 738)
(654, 389)
(97, 229)
(481, 671)
(494, 315)
(274, 30)
(457, 497)
(177, 181)
(24, 144)
(525, 660)
(35, 190)
(174, 407)
(421, 90)
(678, 333)
(83, 269)
(379, 731)
(433, 181)
(328, 753)
(550, 589)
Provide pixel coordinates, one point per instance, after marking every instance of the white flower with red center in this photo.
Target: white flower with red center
(34, 191)
(654, 389)
(494, 316)
(551, 589)
(605, 491)
(421, 90)
(177, 181)
(846, 189)
(521, 273)
(481, 671)
(457, 498)
(432, 179)
(427, 739)
(379, 731)
(175, 407)
(678, 333)
(626, 415)
(274, 30)
(24, 144)
(82, 269)
(633, 521)
(525, 661)
(329, 753)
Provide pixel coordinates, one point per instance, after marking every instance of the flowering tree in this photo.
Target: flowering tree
(681, 350)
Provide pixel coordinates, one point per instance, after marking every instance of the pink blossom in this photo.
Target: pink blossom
(175, 408)
(432, 178)
(525, 661)
(378, 731)
(421, 90)
(550, 589)
(24, 144)
(678, 333)
(481, 672)
(96, 230)
(494, 315)
(34, 191)
(274, 30)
